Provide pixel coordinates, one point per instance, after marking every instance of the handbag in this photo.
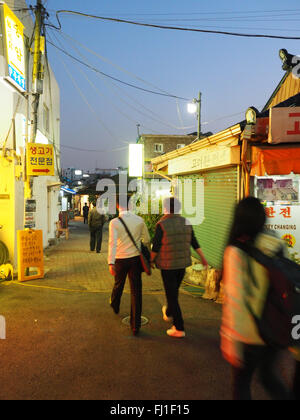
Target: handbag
(145, 256)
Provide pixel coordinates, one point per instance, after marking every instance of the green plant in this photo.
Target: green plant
(93, 198)
(152, 219)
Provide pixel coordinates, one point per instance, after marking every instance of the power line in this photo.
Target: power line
(74, 41)
(156, 118)
(212, 13)
(93, 150)
(114, 78)
(177, 28)
(147, 109)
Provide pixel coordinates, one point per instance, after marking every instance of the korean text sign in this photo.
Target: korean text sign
(284, 220)
(284, 125)
(30, 254)
(40, 159)
(15, 51)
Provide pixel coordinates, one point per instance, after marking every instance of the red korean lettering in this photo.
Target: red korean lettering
(296, 124)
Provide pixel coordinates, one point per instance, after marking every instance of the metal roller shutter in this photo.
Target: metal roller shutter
(220, 197)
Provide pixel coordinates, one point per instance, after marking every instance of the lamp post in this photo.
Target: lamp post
(195, 107)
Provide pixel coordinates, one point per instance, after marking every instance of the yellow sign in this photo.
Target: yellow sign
(42, 44)
(40, 159)
(213, 157)
(30, 255)
(15, 51)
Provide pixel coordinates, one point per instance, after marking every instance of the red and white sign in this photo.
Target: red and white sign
(284, 220)
(284, 125)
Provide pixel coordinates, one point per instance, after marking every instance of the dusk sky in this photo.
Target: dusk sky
(233, 73)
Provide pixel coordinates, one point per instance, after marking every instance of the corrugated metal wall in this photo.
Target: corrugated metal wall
(220, 197)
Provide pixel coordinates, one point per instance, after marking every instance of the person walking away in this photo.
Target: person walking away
(124, 260)
(85, 211)
(96, 220)
(171, 252)
(246, 286)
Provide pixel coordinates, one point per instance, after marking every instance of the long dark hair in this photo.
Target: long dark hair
(249, 220)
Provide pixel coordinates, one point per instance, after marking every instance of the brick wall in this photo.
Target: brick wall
(168, 142)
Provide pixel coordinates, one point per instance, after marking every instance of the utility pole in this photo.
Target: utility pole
(195, 109)
(199, 115)
(38, 72)
(37, 83)
(138, 131)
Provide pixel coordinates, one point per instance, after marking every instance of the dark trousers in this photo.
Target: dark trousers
(96, 238)
(172, 280)
(132, 268)
(265, 360)
(85, 218)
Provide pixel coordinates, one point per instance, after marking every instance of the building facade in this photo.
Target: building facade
(41, 211)
(158, 145)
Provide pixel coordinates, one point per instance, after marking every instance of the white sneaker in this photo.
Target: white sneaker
(173, 332)
(165, 316)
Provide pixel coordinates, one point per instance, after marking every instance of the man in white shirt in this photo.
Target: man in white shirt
(124, 259)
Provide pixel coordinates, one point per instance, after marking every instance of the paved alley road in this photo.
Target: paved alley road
(64, 342)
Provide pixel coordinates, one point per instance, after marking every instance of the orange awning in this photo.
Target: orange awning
(275, 160)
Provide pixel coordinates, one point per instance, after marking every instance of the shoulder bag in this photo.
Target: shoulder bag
(144, 252)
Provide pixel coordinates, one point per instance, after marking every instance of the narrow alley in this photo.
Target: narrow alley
(64, 342)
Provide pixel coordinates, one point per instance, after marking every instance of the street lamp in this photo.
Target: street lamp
(195, 108)
(192, 107)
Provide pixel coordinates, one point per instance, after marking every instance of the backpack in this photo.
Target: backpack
(283, 298)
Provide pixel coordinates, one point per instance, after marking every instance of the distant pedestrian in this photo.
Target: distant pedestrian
(171, 252)
(124, 259)
(85, 211)
(96, 221)
(246, 285)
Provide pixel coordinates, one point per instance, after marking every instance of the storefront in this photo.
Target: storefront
(207, 179)
(215, 205)
(275, 174)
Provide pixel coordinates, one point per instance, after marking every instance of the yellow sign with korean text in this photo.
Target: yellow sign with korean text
(30, 255)
(40, 159)
(15, 50)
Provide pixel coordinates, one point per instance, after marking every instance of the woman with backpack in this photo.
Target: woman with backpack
(246, 286)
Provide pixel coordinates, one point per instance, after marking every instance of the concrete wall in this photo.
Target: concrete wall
(48, 207)
(11, 206)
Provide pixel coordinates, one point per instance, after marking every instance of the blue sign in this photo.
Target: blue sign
(16, 77)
